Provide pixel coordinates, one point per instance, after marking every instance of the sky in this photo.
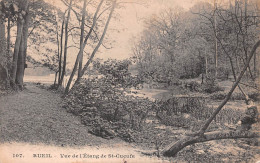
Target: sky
(131, 23)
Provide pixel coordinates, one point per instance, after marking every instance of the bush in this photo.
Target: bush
(192, 86)
(106, 108)
(235, 96)
(211, 85)
(218, 96)
(104, 103)
(186, 112)
(254, 96)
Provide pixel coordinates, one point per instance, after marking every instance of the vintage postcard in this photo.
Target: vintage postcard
(126, 81)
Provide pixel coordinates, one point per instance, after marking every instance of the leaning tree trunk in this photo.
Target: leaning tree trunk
(82, 46)
(80, 54)
(99, 43)
(175, 147)
(80, 60)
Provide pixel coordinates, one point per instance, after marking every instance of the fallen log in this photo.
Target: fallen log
(175, 147)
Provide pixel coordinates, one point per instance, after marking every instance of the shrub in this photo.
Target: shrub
(189, 110)
(211, 85)
(254, 96)
(235, 96)
(107, 108)
(104, 103)
(218, 96)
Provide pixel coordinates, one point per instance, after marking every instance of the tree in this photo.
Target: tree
(22, 50)
(65, 44)
(95, 49)
(28, 16)
(61, 50)
(172, 46)
(79, 58)
(23, 5)
(235, 27)
(202, 136)
(4, 81)
(82, 36)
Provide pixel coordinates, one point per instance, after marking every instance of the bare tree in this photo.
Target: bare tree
(66, 43)
(96, 48)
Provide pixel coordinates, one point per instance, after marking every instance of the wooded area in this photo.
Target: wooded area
(187, 52)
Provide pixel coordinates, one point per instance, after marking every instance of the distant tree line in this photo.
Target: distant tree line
(210, 39)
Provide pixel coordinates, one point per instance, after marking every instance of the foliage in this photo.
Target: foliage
(178, 44)
(211, 85)
(235, 96)
(9, 10)
(117, 73)
(192, 86)
(104, 102)
(191, 112)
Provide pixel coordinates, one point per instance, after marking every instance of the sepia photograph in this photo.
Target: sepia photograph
(129, 81)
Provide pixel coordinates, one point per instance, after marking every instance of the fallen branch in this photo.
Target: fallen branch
(174, 148)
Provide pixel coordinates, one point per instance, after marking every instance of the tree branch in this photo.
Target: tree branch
(174, 148)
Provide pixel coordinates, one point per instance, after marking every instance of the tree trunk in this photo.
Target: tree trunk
(231, 90)
(61, 51)
(66, 43)
(80, 54)
(255, 66)
(2, 41)
(81, 37)
(16, 50)
(55, 79)
(22, 54)
(20, 66)
(174, 148)
(58, 50)
(216, 40)
(234, 75)
(23, 5)
(201, 137)
(98, 45)
(4, 81)
(8, 35)
(100, 41)
(82, 49)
